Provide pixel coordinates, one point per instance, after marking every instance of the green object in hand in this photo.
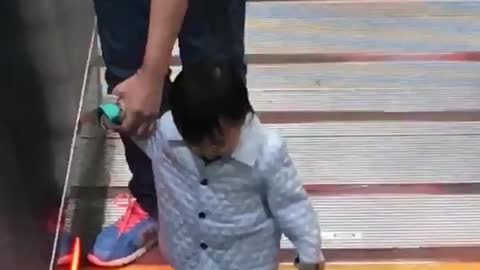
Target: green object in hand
(112, 112)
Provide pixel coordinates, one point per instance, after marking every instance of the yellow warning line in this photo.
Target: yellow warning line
(345, 266)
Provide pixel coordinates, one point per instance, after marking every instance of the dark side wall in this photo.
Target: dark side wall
(43, 51)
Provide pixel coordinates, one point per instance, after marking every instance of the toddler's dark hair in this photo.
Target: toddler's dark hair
(204, 93)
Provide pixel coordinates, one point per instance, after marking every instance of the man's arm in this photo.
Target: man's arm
(166, 18)
(292, 209)
(140, 95)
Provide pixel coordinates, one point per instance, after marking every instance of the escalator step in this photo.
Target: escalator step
(344, 152)
(389, 87)
(350, 153)
(380, 221)
(317, 27)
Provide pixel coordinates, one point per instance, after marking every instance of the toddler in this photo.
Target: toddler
(227, 188)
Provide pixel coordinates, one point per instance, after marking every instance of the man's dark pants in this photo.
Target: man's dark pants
(211, 28)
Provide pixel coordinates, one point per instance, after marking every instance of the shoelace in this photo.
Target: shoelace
(134, 213)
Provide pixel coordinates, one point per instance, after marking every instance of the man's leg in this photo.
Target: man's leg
(131, 236)
(142, 185)
(214, 28)
(123, 29)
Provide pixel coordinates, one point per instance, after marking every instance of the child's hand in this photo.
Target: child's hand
(309, 266)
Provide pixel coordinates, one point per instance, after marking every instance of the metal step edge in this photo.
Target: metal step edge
(361, 75)
(373, 222)
(357, 75)
(369, 128)
(375, 129)
(409, 98)
(361, 159)
(402, 100)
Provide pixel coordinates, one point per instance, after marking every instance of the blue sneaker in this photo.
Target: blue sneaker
(126, 240)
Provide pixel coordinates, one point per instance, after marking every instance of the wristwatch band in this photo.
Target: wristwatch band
(112, 112)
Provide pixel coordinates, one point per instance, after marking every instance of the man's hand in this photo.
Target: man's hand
(140, 97)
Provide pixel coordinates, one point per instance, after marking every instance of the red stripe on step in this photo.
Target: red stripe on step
(153, 257)
(456, 56)
(283, 117)
(436, 189)
(473, 56)
(321, 190)
(463, 254)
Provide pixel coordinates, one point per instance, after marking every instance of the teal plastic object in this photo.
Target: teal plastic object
(112, 112)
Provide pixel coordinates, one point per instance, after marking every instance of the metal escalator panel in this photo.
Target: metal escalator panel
(365, 153)
(398, 221)
(313, 28)
(412, 151)
(374, 222)
(379, 87)
(374, 153)
(389, 151)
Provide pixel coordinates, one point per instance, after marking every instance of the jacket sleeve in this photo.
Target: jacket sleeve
(291, 207)
(152, 144)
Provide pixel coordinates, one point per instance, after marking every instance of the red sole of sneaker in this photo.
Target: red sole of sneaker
(64, 260)
(122, 261)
